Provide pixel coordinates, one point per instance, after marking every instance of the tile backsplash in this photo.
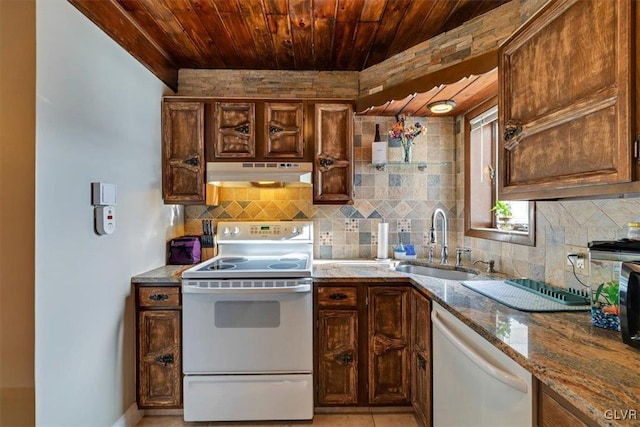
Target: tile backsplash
(401, 194)
(406, 197)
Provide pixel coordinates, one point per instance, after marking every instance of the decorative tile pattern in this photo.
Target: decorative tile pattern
(326, 238)
(404, 225)
(352, 225)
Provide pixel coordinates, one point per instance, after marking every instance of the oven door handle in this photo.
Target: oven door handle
(245, 291)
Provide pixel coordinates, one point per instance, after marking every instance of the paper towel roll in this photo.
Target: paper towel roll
(383, 240)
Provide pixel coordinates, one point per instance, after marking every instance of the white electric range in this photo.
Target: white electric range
(247, 325)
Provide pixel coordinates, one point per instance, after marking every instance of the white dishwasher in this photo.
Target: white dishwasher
(474, 383)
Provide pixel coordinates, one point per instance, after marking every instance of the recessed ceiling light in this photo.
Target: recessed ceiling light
(441, 107)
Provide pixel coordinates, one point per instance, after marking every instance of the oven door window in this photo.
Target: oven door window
(247, 314)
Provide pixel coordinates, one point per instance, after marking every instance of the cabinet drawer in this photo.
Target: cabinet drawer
(337, 296)
(160, 296)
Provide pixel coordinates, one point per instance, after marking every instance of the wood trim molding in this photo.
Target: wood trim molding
(109, 16)
(477, 65)
(528, 239)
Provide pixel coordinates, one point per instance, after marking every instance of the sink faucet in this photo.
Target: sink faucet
(443, 254)
(490, 263)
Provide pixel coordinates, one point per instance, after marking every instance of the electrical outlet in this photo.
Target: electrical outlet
(576, 260)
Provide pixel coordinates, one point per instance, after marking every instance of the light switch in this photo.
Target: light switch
(104, 194)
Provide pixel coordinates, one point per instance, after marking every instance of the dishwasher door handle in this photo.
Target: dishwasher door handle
(488, 367)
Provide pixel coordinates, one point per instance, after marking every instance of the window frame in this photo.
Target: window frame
(516, 237)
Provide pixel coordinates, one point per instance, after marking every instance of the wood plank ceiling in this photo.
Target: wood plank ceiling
(324, 35)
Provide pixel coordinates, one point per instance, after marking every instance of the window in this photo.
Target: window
(481, 183)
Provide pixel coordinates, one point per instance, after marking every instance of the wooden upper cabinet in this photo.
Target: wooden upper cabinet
(235, 130)
(183, 162)
(565, 101)
(389, 340)
(333, 163)
(283, 130)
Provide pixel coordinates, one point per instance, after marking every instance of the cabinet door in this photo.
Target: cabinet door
(333, 166)
(283, 130)
(388, 317)
(159, 359)
(564, 109)
(183, 174)
(554, 412)
(235, 133)
(421, 357)
(337, 357)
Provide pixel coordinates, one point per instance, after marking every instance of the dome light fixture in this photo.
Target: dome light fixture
(441, 107)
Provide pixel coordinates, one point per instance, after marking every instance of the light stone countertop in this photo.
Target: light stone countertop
(588, 366)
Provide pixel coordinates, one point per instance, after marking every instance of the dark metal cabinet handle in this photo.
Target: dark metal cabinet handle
(165, 359)
(345, 358)
(511, 130)
(422, 362)
(158, 297)
(338, 297)
(193, 161)
(326, 163)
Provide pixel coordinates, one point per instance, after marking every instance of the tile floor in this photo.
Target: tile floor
(319, 420)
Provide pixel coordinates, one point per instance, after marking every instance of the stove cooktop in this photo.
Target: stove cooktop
(267, 263)
(290, 265)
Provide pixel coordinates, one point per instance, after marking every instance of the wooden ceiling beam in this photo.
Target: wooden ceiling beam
(109, 16)
(476, 65)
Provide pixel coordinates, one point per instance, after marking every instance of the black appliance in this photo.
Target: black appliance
(630, 303)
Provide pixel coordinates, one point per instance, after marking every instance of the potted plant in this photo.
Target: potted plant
(503, 215)
(605, 308)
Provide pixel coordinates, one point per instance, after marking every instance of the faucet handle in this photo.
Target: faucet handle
(459, 252)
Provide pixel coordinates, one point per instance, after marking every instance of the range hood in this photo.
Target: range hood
(242, 173)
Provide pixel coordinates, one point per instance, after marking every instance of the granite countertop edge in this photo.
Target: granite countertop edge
(590, 367)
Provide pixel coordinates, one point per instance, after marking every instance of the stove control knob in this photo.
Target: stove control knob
(226, 231)
(294, 230)
(236, 230)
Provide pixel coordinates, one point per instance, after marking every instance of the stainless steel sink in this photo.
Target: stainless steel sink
(440, 273)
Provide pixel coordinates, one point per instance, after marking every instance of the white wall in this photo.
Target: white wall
(98, 119)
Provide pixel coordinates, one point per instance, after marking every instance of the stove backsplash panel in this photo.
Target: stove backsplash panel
(401, 194)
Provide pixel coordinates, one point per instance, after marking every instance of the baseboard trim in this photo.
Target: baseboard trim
(163, 412)
(362, 409)
(131, 417)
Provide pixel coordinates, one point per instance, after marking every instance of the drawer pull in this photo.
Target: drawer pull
(158, 297)
(165, 359)
(338, 297)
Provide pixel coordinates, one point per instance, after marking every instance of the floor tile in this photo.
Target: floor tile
(342, 420)
(319, 420)
(394, 420)
(162, 421)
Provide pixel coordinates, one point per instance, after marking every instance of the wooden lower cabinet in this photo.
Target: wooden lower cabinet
(158, 343)
(362, 345)
(421, 377)
(338, 357)
(554, 411)
(388, 316)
